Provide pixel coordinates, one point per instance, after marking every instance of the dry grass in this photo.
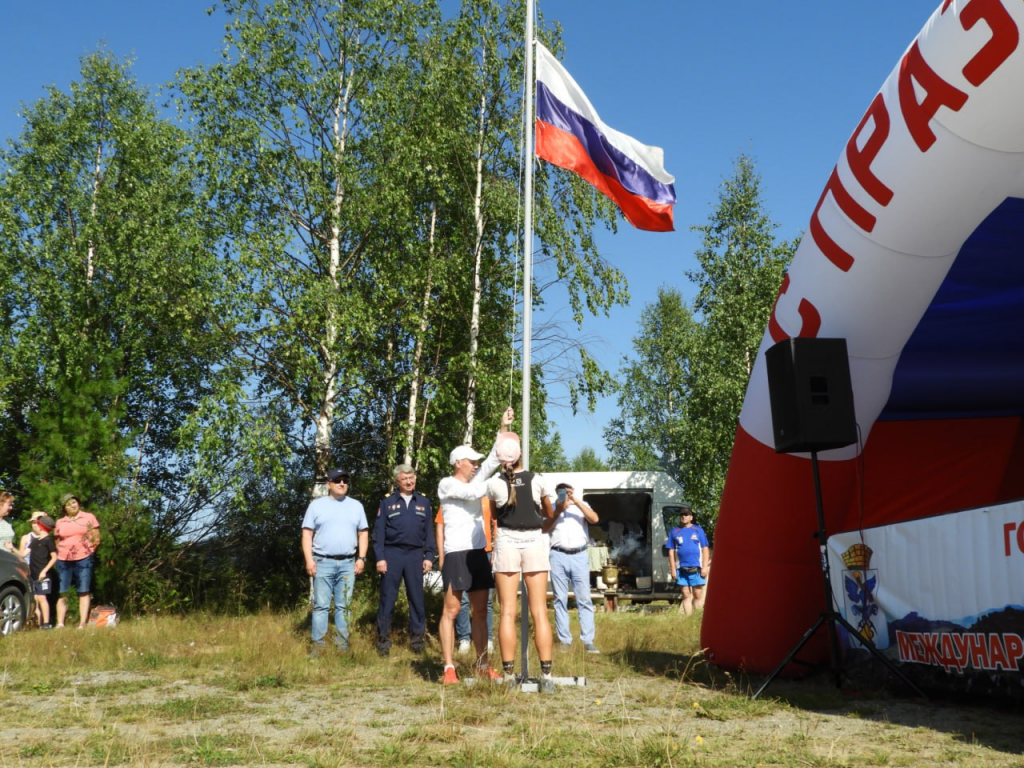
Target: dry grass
(204, 690)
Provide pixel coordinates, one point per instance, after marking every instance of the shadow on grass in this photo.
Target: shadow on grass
(877, 695)
(686, 667)
(868, 691)
(426, 668)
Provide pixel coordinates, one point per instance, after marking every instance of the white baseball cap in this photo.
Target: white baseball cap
(464, 452)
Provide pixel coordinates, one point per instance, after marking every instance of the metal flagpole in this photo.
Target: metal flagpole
(524, 621)
(528, 117)
(528, 237)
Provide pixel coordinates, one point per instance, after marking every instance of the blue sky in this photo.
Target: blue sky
(785, 83)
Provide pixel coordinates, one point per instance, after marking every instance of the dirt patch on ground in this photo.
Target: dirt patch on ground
(117, 717)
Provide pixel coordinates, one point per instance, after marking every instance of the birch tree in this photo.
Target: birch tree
(362, 159)
(294, 126)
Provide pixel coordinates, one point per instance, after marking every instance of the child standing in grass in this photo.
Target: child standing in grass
(25, 553)
(42, 557)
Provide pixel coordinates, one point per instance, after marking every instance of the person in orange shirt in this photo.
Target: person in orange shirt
(78, 536)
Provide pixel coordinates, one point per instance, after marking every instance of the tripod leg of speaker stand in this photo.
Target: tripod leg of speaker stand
(830, 616)
(789, 656)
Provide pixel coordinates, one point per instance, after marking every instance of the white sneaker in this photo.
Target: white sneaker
(464, 646)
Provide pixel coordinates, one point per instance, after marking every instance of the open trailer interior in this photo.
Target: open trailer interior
(636, 510)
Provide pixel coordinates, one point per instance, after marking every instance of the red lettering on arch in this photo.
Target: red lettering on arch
(860, 159)
(832, 250)
(937, 93)
(1005, 38)
(857, 212)
(1007, 530)
(810, 318)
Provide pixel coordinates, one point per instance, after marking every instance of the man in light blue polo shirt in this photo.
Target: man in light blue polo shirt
(335, 537)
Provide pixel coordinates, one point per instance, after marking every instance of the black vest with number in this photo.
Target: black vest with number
(524, 515)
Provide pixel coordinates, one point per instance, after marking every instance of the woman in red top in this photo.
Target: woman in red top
(78, 536)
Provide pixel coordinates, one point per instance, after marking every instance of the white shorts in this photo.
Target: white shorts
(521, 551)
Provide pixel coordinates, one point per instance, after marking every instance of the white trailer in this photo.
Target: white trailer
(636, 511)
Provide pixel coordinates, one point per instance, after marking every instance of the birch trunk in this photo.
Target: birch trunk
(388, 428)
(97, 174)
(478, 218)
(329, 344)
(417, 359)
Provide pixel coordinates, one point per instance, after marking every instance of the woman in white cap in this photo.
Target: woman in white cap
(520, 547)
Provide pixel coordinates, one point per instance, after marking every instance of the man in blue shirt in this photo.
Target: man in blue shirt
(689, 558)
(404, 545)
(335, 538)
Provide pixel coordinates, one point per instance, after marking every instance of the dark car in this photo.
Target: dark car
(15, 593)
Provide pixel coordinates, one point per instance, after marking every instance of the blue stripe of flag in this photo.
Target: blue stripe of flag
(608, 159)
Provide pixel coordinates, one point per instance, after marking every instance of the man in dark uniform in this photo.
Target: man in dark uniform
(403, 540)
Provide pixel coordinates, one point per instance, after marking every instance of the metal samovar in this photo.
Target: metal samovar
(610, 577)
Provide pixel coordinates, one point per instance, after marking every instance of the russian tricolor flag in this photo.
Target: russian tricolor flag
(570, 134)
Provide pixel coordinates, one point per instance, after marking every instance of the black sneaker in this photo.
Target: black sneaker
(46, 626)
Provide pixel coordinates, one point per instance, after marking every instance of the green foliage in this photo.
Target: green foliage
(253, 560)
(587, 460)
(681, 396)
(654, 389)
(741, 268)
(322, 269)
(109, 340)
(546, 452)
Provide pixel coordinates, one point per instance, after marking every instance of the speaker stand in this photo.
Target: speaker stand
(830, 617)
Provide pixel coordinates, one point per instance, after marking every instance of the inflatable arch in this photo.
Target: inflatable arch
(914, 255)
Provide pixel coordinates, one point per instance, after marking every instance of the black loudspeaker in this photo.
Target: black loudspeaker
(811, 395)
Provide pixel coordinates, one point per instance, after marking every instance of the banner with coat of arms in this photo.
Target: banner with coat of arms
(945, 593)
